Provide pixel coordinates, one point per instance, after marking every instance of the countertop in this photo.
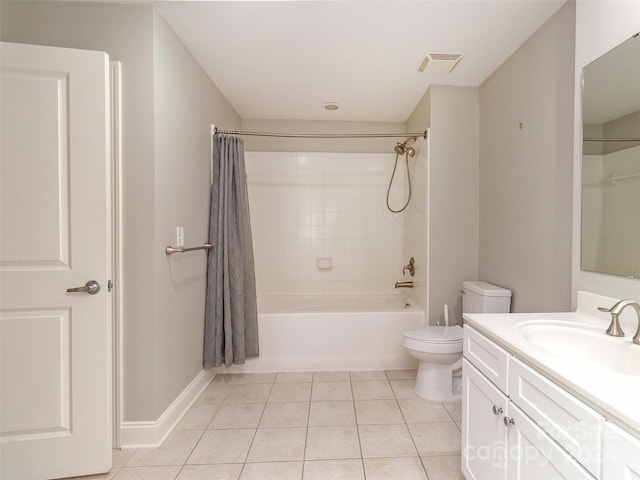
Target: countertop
(614, 395)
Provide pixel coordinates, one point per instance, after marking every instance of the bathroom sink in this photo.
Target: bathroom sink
(583, 344)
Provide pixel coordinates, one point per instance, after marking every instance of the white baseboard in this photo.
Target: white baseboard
(151, 434)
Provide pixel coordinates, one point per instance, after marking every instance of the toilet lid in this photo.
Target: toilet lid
(435, 334)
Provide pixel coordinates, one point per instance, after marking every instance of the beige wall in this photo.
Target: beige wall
(441, 228)
(600, 26)
(186, 103)
(416, 223)
(526, 169)
(453, 197)
(168, 104)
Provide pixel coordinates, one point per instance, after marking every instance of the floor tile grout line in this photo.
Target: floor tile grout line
(411, 436)
(191, 452)
(306, 436)
(259, 420)
(355, 412)
(257, 427)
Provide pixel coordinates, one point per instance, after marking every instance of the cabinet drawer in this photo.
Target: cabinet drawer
(571, 423)
(534, 456)
(486, 356)
(621, 454)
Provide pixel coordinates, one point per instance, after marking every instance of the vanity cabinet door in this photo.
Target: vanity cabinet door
(575, 426)
(621, 455)
(484, 436)
(533, 455)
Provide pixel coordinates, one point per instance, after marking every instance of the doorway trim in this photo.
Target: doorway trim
(115, 73)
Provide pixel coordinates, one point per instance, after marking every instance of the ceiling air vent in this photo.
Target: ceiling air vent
(439, 63)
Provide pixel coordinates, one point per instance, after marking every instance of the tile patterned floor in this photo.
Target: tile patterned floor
(305, 426)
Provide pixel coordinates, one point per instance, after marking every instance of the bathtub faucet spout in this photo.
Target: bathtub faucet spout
(404, 285)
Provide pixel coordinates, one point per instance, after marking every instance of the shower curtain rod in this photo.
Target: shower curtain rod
(611, 139)
(217, 131)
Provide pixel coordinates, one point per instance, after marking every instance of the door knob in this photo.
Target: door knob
(91, 287)
(497, 410)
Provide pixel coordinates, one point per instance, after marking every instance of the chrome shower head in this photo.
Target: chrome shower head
(403, 149)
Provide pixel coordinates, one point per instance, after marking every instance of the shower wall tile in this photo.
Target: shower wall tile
(310, 205)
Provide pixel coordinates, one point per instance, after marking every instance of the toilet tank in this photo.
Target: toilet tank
(483, 297)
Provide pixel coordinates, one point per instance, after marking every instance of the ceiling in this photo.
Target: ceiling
(284, 60)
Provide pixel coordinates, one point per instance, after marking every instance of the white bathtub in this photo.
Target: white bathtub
(311, 333)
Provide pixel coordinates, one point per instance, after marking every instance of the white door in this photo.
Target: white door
(54, 234)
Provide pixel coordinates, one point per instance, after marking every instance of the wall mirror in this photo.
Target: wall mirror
(611, 162)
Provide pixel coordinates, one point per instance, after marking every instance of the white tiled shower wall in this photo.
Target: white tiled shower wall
(306, 206)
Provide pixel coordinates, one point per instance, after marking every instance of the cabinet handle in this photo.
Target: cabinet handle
(497, 410)
(509, 422)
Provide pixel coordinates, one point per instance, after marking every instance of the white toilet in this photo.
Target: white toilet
(439, 349)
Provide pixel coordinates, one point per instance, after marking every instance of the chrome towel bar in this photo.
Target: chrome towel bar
(170, 250)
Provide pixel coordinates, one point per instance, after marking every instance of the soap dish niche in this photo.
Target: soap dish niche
(324, 263)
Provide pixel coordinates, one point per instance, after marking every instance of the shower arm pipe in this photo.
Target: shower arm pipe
(411, 140)
(217, 131)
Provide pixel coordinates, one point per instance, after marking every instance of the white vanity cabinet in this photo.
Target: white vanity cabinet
(621, 455)
(522, 427)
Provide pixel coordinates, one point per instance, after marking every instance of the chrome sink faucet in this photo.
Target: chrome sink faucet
(614, 329)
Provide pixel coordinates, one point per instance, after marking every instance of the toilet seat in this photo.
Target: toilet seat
(434, 339)
(435, 334)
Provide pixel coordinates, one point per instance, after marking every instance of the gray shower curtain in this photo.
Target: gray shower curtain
(231, 318)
